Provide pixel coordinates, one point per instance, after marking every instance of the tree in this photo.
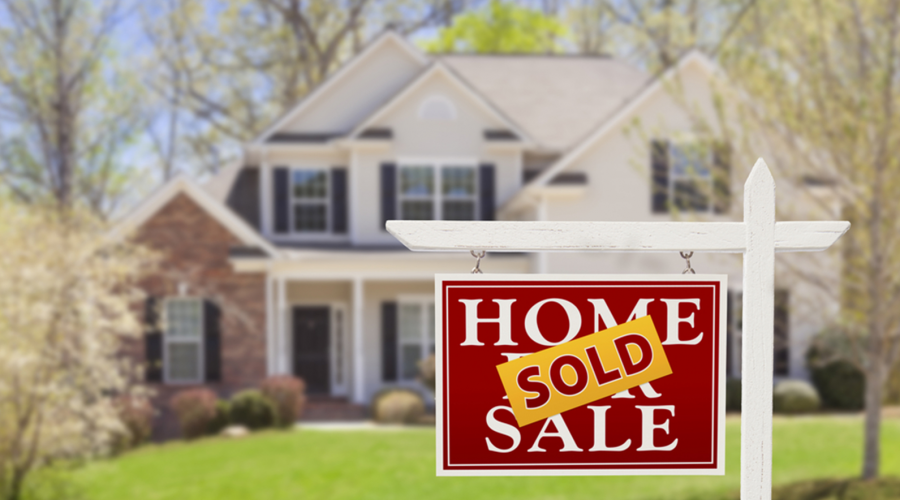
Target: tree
(822, 81)
(654, 33)
(66, 108)
(224, 72)
(67, 298)
(501, 27)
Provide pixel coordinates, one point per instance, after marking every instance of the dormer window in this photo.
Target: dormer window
(310, 200)
(437, 108)
(437, 192)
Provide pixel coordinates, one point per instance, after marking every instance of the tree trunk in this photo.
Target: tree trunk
(877, 276)
(16, 484)
(874, 393)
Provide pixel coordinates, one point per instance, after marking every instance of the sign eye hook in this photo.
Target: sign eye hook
(687, 261)
(478, 257)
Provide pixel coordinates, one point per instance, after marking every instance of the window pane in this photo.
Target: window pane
(691, 194)
(410, 354)
(183, 361)
(688, 160)
(310, 218)
(417, 210)
(459, 210)
(410, 322)
(458, 181)
(310, 184)
(184, 318)
(416, 181)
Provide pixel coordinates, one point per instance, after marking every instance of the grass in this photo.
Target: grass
(400, 464)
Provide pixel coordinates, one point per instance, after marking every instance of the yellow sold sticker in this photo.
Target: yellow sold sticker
(583, 370)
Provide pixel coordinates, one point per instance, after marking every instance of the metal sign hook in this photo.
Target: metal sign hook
(687, 261)
(478, 257)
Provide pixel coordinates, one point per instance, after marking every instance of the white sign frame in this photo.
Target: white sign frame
(721, 300)
(758, 237)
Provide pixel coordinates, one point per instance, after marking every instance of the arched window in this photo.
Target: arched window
(437, 107)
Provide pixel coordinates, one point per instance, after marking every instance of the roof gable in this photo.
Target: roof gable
(181, 185)
(361, 85)
(440, 72)
(557, 99)
(623, 114)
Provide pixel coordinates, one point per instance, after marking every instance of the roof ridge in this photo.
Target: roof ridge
(557, 55)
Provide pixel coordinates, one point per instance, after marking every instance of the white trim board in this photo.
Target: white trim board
(222, 214)
(556, 236)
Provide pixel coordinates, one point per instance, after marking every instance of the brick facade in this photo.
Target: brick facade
(194, 248)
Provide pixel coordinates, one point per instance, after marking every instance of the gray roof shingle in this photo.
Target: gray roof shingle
(557, 100)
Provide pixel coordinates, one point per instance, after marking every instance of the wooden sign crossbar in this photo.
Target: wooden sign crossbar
(758, 237)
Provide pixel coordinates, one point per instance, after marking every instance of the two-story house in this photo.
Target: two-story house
(281, 263)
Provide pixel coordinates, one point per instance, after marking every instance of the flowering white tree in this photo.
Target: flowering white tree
(67, 297)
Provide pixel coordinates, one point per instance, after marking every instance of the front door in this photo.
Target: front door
(311, 348)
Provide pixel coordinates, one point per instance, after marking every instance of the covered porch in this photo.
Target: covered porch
(351, 322)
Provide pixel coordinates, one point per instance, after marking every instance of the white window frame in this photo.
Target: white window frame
(199, 341)
(426, 341)
(437, 197)
(308, 201)
(689, 144)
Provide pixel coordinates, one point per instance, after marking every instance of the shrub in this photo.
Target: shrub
(195, 409)
(252, 409)
(795, 396)
(136, 415)
(398, 406)
(840, 384)
(427, 372)
(222, 418)
(288, 395)
(733, 394)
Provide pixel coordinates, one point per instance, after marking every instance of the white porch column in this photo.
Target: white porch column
(271, 346)
(358, 352)
(283, 355)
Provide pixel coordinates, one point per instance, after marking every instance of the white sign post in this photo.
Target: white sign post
(758, 237)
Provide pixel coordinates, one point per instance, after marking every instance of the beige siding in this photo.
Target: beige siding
(367, 85)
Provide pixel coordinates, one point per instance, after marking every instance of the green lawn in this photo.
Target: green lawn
(400, 464)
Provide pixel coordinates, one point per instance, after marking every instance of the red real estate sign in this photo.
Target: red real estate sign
(671, 425)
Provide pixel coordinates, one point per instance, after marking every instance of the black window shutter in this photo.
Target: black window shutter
(389, 341)
(281, 187)
(212, 341)
(721, 174)
(388, 193)
(153, 342)
(486, 199)
(339, 200)
(659, 164)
